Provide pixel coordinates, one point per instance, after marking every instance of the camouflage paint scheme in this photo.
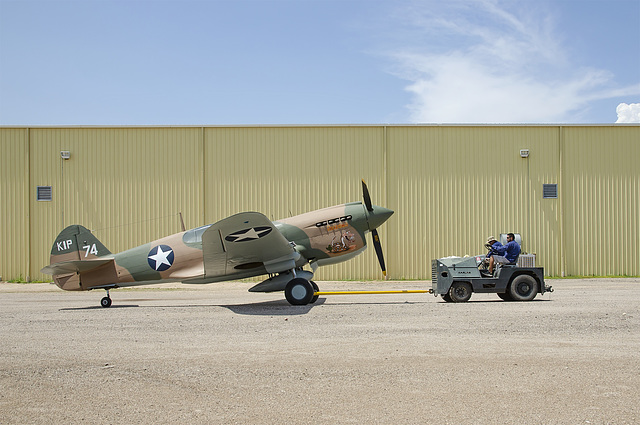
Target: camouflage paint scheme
(243, 245)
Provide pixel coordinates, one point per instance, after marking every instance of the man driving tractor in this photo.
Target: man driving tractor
(502, 254)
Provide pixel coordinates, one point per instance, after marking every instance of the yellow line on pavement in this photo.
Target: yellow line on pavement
(403, 291)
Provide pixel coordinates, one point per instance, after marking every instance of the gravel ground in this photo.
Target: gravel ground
(215, 354)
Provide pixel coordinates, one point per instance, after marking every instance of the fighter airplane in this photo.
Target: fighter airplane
(243, 245)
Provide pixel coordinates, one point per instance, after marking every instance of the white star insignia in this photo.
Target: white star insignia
(161, 257)
(249, 234)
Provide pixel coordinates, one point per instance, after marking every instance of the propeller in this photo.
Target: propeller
(367, 197)
(382, 215)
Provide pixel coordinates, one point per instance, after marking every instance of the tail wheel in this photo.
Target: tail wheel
(523, 288)
(460, 292)
(299, 291)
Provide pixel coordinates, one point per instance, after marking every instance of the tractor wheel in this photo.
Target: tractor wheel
(505, 296)
(447, 297)
(523, 288)
(460, 292)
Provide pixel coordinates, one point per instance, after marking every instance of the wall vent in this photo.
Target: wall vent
(44, 193)
(549, 191)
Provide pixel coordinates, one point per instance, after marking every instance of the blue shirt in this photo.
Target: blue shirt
(495, 248)
(509, 251)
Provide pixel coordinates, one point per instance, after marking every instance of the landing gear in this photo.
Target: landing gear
(300, 291)
(106, 301)
(315, 289)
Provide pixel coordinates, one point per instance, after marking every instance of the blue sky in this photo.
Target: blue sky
(144, 62)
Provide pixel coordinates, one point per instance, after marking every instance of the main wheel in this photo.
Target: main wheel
(523, 288)
(105, 302)
(460, 292)
(299, 291)
(315, 289)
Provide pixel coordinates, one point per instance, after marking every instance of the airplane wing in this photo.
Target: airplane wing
(75, 266)
(244, 242)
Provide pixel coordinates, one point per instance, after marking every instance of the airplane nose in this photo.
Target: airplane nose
(378, 216)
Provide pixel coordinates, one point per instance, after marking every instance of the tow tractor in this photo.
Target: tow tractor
(456, 278)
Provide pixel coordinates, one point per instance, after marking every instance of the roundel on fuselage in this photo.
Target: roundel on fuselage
(160, 258)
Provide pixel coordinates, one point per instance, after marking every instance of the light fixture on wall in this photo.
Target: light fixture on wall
(524, 153)
(65, 154)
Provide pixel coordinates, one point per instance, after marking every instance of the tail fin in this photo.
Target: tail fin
(76, 250)
(76, 243)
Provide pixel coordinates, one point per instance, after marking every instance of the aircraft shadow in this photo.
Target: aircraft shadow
(98, 307)
(273, 308)
(267, 308)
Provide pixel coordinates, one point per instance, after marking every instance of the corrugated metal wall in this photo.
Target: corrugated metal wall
(286, 171)
(14, 203)
(601, 192)
(127, 185)
(451, 186)
(455, 186)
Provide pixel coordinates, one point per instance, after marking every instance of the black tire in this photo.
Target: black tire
(505, 296)
(523, 288)
(315, 289)
(105, 302)
(298, 291)
(460, 292)
(447, 298)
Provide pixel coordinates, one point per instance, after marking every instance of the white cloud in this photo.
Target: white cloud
(478, 62)
(628, 113)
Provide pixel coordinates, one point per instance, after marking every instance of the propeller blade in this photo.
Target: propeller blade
(378, 247)
(367, 198)
(375, 219)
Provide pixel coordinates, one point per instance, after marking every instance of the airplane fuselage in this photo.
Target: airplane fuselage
(327, 236)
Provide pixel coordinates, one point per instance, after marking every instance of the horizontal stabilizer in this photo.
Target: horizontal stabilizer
(75, 266)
